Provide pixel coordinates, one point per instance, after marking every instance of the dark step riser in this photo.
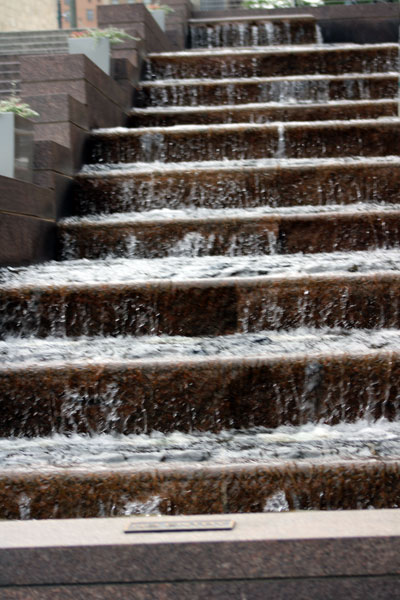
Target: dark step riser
(199, 491)
(246, 143)
(239, 188)
(204, 308)
(323, 90)
(206, 397)
(300, 62)
(7, 86)
(266, 115)
(232, 238)
(252, 34)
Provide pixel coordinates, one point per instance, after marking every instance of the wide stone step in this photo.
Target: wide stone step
(130, 386)
(246, 141)
(9, 66)
(262, 113)
(274, 61)
(195, 489)
(8, 76)
(294, 89)
(156, 234)
(202, 296)
(350, 441)
(242, 184)
(258, 30)
(8, 86)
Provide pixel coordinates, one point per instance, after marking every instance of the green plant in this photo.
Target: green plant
(155, 6)
(116, 36)
(16, 106)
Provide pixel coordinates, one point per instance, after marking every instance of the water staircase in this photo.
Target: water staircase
(221, 331)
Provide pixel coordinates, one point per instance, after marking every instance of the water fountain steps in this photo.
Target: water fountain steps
(207, 394)
(260, 113)
(246, 141)
(253, 31)
(220, 185)
(297, 88)
(52, 383)
(241, 234)
(274, 62)
(211, 307)
(196, 489)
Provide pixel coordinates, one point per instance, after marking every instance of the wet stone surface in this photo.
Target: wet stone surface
(223, 332)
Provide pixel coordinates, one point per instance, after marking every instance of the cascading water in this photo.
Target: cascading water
(221, 332)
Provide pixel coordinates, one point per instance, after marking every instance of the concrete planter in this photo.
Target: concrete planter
(159, 17)
(16, 148)
(98, 50)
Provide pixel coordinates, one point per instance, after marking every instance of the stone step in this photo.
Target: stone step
(274, 61)
(157, 234)
(7, 66)
(262, 113)
(349, 441)
(241, 184)
(252, 31)
(4, 35)
(129, 386)
(8, 86)
(291, 89)
(34, 48)
(6, 93)
(7, 76)
(202, 296)
(195, 489)
(246, 141)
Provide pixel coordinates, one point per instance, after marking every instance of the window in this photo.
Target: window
(90, 14)
(114, 1)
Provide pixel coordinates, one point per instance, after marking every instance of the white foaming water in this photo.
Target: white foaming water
(36, 352)
(275, 50)
(347, 441)
(220, 214)
(149, 132)
(124, 271)
(117, 169)
(167, 110)
(259, 80)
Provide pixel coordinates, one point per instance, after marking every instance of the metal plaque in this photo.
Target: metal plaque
(195, 525)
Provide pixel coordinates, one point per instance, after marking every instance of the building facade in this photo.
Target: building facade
(83, 13)
(28, 15)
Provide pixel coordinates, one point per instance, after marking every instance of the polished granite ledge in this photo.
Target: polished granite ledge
(290, 555)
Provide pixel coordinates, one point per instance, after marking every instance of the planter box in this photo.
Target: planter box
(159, 17)
(16, 148)
(98, 50)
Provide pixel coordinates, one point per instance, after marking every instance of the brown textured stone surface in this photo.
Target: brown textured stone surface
(202, 394)
(240, 92)
(356, 588)
(234, 236)
(25, 198)
(329, 61)
(25, 239)
(206, 307)
(223, 188)
(370, 110)
(137, 21)
(242, 141)
(201, 490)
